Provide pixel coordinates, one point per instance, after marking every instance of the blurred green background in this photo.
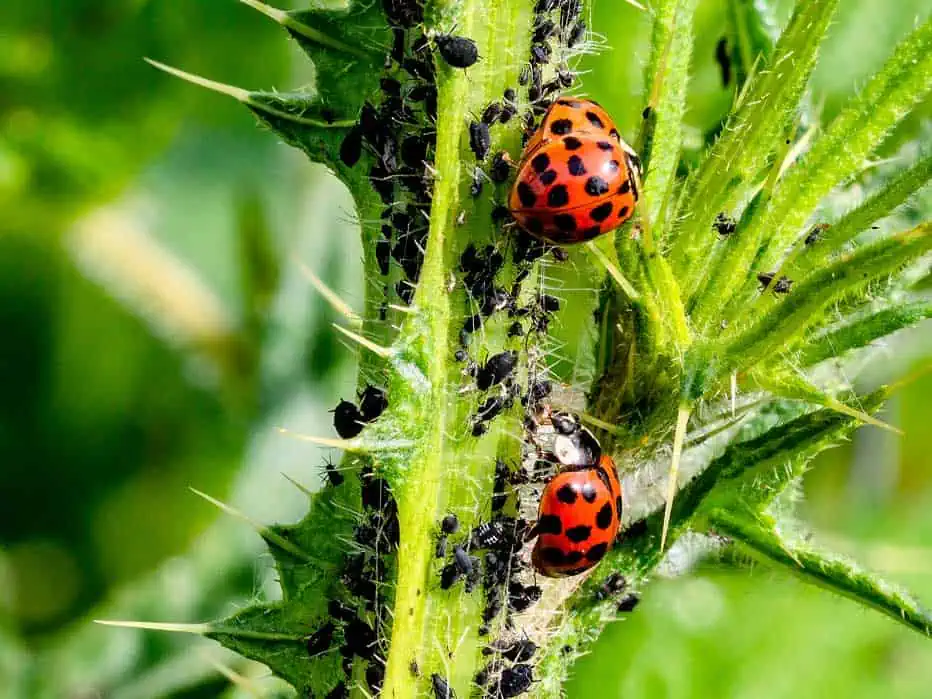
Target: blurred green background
(156, 329)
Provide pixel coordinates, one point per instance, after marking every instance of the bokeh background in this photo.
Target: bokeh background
(156, 327)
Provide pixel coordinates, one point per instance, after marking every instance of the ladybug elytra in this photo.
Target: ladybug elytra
(578, 519)
(577, 178)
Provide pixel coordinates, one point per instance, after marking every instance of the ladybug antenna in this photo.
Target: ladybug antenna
(682, 417)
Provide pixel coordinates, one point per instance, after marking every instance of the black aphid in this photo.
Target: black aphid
(347, 420)
(480, 140)
(501, 167)
(496, 369)
(351, 147)
(372, 403)
(457, 51)
(320, 640)
(441, 687)
(515, 680)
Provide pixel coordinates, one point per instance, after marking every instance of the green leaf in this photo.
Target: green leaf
(861, 331)
(807, 256)
(668, 75)
(861, 127)
(801, 307)
(759, 537)
(752, 34)
(736, 162)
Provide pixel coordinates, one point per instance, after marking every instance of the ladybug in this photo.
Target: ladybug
(577, 178)
(578, 519)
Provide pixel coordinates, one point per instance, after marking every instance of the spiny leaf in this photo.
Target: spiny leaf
(861, 127)
(800, 308)
(862, 331)
(793, 386)
(752, 33)
(245, 631)
(347, 47)
(828, 240)
(668, 71)
(758, 536)
(737, 160)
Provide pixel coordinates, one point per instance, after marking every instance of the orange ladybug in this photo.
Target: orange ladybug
(578, 519)
(577, 178)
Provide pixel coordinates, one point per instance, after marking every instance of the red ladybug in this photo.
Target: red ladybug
(578, 519)
(577, 178)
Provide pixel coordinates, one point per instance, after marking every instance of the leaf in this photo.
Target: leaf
(735, 163)
(862, 331)
(752, 34)
(668, 75)
(759, 537)
(829, 240)
(800, 308)
(860, 128)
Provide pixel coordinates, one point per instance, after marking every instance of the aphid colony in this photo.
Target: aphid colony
(575, 179)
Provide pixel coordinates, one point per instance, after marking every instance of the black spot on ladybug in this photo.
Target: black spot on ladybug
(540, 162)
(561, 127)
(594, 120)
(457, 51)
(618, 506)
(549, 524)
(548, 178)
(572, 558)
(576, 165)
(526, 195)
(596, 186)
(558, 196)
(591, 232)
(578, 533)
(603, 520)
(567, 494)
(612, 166)
(565, 222)
(601, 212)
(597, 552)
(534, 225)
(614, 134)
(572, 104)
(604, 145)
(572, 143)
(588, 492)
(552, 555)
(625, 187)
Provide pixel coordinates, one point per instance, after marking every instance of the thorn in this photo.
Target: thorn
(840, 407)
(286, 20)
(351, 445)
(246, 97)
(338, 304)
(403, 309)
(384, 352)
(232, 675)
(236, 93)
(297, 485)
(199, 629)
(613, 271)
(263, 531)
(202, 629)
(682, 417)
(601, 424)
(636, 4)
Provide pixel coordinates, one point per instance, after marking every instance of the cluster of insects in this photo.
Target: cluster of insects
(575, 179)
